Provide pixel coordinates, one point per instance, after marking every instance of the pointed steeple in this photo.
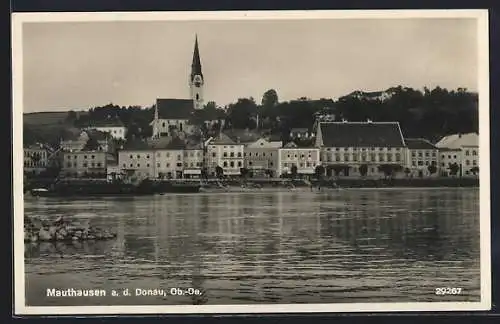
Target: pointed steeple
(196, 65)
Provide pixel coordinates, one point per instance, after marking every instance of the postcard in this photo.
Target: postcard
(251, 162)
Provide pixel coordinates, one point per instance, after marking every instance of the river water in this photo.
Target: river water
(359, 245)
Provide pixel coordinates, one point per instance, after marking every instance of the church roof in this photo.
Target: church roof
(361, 134)
(196, 65)
(174, 108)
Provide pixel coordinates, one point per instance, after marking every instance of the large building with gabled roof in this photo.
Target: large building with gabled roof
(346, 146)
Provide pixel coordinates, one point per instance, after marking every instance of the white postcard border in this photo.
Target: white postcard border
(483, 74)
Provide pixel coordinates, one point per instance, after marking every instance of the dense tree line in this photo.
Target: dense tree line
(423, 113)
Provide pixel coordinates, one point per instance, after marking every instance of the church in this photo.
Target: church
(175, 114)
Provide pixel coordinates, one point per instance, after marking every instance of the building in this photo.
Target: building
(169, 158)
(261, 157)
(462, 149)
(305, 159)
(35, 158)
(422, 158)
(224, 152)
(74, 142)
(448, 157)
(193, 161)
(176, 114)
(361, 148)
(136, 160)
(112, 126)
(83, 163)
(300, 133)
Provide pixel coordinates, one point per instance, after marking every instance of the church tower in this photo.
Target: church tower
(196, 81)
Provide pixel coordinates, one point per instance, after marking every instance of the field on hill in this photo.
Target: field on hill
(46, 118)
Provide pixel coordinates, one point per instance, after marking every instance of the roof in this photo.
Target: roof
(243, 135)
(419, 144)
(222, 139)
(361, 134)
(196, 65)
(459, 140)
(98, 135)
(110, 122)
(264, 143)
(136, 145)
(174, 108)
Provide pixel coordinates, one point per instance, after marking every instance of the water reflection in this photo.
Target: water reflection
(342, 246)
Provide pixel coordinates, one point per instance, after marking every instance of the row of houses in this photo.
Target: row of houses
(340, 148)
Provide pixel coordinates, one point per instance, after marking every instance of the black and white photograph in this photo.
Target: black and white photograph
(251, 162)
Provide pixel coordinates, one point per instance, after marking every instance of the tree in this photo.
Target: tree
(363, 170)
(269, 99)
(244, 172)
(240, 114)
(91, 145)
(294, 171)
(319, 171)
(432, 169)
(454, 168)
(219, 171)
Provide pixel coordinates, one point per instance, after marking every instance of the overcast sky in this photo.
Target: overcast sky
(78, 65)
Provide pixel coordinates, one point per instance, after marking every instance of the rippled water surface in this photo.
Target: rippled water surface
(284, 247)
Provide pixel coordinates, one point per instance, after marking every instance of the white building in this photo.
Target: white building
(136, 160)
(305, 159)
(223, 152)
(35, 158)
(422, 157)
(261, 157)
(360, 148)
(114, 127)
(462, 149)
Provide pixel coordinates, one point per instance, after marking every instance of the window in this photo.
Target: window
(74, 164)
(420, 154)
(138, 165)
(381, 157)
(185, 164)
(191, 154)
(147, 156)
(389, 157)
(168, 165)
(433, 154)
(420, 163)
(231, 154)
(225, 154)
(178, 157)
(467, 153)
(232, 164)
(147, 165)
(124, 165)
(337, 157)
(85, 157)
(474, 162)
(131, 165)
(213, 154)
(158, 164)
(245, 154)
(442, 156)
(442, 164)
(454, 156)
(426, 154)
(93, 156)
(372, 157)
(301, 164)
(474, 152)
(467, 162)
(168, 154)
(426, 162)
(346, 157)
(398, 157)
(138, 156)
(250, 163)
(285, 164)
(413, 163)
(225, 164)
(354, 157)
(179, 165)
(270, 163)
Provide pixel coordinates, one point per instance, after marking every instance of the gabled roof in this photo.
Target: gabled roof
(419, 144)
(361, 134)
(174, 108)
(459, 140)
(222, 139)
(98, 135)
(264, 143)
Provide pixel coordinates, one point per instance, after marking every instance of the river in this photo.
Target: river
(359, 245)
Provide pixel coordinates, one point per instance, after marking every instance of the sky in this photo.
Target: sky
(78, 65)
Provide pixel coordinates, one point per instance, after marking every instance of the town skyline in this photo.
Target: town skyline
(397, 47)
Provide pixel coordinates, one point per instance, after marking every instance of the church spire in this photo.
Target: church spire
(196, 65)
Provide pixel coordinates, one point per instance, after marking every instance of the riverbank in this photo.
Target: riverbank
(41, 230)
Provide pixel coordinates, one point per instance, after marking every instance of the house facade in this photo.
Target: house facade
(114, 127)
(261, 157)
(304, 159)
(460, 149)
(422, 158)
(35, 158)
(86, 164)
(193, 161)
(361, 148)
(223, 152)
